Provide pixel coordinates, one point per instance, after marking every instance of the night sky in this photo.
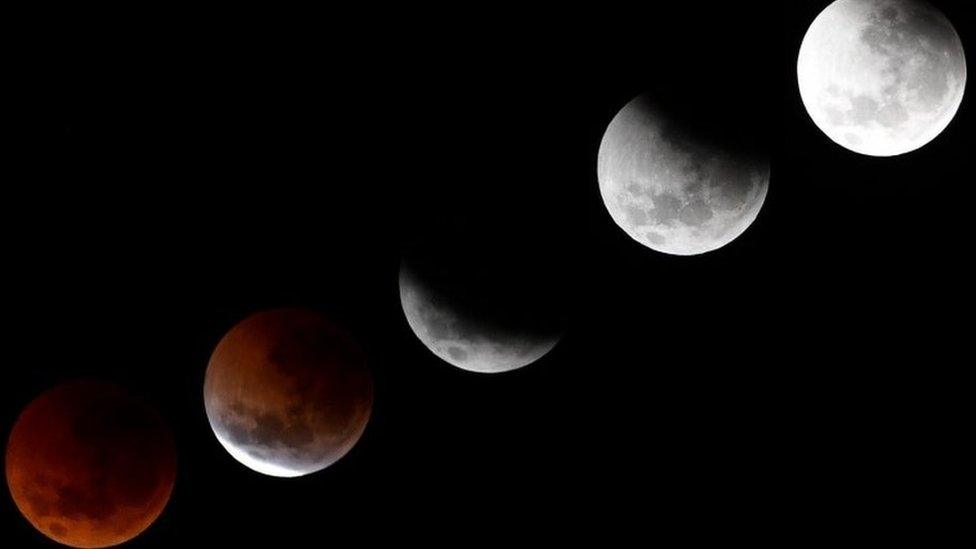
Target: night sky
(166, 179)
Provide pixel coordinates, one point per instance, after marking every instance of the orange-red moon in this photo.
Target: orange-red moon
(288, 392)
(90, 465)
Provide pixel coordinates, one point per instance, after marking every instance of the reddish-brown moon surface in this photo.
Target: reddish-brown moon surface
(90, 465)
(288, 392)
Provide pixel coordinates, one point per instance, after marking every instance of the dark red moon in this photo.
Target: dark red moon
(288, 392)
(90, 465)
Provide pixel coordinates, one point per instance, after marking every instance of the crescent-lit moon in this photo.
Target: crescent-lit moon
(672, 190)
(90, 465)
(881, 77)
(463, 337)
(288, 392)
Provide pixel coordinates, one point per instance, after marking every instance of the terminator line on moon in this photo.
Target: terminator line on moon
(672, 191)
(287, 392)
(460, 337)
(881, 77)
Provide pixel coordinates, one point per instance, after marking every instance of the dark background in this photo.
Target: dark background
(169, 173)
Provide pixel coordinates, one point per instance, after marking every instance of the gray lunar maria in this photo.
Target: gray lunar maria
(672, 191)
(881, 77)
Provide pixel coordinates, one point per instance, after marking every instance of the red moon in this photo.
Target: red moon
(90, 465)
(287, 392)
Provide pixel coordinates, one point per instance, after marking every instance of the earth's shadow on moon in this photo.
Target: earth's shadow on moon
(288, 392)
(90, 465)
(680, 179)
(483, 300)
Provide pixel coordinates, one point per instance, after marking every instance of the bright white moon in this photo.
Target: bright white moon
(673, 191)
(881, 77)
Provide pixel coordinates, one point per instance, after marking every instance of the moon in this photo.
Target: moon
(89, 465)
(463, 337)
(288, 392)
(487, 294)
(881, 77)
(672, 190)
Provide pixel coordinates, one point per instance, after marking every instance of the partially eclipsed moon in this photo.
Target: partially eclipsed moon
(464, 337)
(881, 77)
(673, 191)
(287, 392)
(90, 465)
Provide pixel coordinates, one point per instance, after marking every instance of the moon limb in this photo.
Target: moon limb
(287, 393)
(247, 457)
(459, 339)
(671, 191)
(881, 77)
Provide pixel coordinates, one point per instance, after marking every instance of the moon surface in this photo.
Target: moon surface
(89, 465)
(467, 337)
(881, 77)
(287, 392)
(674, 191)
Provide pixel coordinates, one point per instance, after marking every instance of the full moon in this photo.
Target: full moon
(89, 465)
(287, 392)
(881, 77)
(671, 190)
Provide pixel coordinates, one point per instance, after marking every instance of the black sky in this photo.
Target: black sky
(169, 175)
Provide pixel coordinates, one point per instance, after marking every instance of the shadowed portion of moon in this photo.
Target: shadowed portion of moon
(482, 306)
(89, 465)
(673, 190)
(287, 392)
(881, 77)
